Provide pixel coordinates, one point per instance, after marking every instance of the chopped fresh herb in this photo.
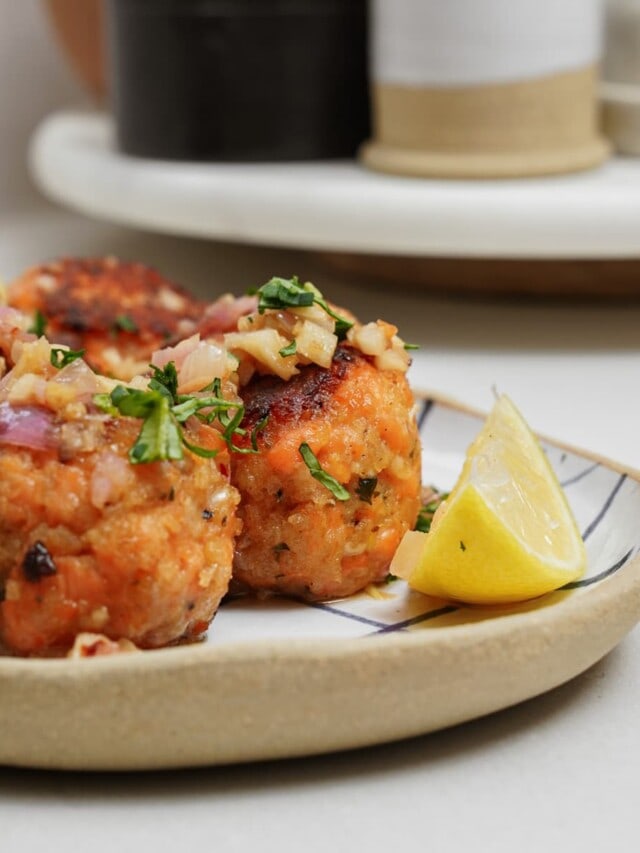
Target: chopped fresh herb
(280, 293)
(165, 380)
(188, 405)
(163, 411)
(423, 522)
(103, 402)
(61, 357)
(427, 511)
(390, 578)
(39, 325)
(290, 349)
(411, 346)
(342, 324)
(258, 428)
(463, 547)
(366, 488)
(124, 323)
(318, 473)
(280, 547)
(214, 387)
(160, 437)
(204, 452)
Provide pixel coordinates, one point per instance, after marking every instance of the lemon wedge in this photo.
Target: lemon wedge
(506, 532)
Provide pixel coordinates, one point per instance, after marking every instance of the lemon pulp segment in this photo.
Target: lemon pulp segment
(506, 532)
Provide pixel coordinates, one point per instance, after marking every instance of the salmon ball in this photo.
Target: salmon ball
(298, 538)
(91, 542)
(117, 312)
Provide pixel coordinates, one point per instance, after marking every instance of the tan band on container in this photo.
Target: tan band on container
(530, 127)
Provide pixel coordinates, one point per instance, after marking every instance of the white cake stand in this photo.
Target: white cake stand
(340, 206)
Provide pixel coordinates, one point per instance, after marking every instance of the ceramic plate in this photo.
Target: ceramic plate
(279, 678)
(340, 206)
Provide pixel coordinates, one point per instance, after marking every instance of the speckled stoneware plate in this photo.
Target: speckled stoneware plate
(279, 678)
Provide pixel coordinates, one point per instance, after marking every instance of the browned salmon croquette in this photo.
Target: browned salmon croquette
(297, 538)
(118, 312)
(90, 542)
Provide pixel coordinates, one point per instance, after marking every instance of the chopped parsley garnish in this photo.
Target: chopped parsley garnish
(61, 357)
(39, 325)
(366, 488)
(411, 346)
(254, 434)
(165, 380)
(163, 411)
(124, 323)
(318, 473)
(427, 511)
(283, 293)
(290, 349)
(160, 436)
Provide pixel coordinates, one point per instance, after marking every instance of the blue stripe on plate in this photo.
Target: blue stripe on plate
(416, 620)
(427, 405)
(580, 475)
(604, 509)
(605, 574)
(320, 605)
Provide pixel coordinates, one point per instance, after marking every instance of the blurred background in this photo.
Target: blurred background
(41, 72)
(538, 328)
(506, 95)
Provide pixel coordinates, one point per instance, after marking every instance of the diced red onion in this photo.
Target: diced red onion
(10, 316)
(78, 376)
(206, 362)
(26, 426)
(176, 354)
(223, 314)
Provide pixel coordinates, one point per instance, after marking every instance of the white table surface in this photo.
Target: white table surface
(560, 772)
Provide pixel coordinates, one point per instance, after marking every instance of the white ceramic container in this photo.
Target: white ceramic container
(497, 88)
(620, 89)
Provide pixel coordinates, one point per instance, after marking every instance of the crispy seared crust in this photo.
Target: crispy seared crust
(118, 312)
(303, 396)
(297, 539)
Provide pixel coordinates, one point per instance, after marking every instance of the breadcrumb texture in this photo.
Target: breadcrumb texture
(136, 552)
(297, 539)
